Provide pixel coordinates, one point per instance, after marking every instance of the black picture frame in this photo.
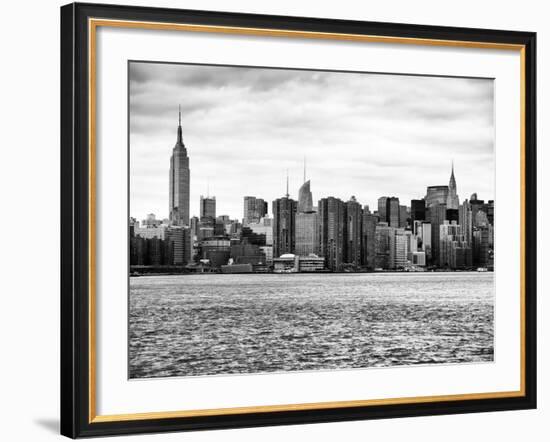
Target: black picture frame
(75, 220)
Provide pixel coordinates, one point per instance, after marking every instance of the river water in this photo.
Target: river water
(194, 325)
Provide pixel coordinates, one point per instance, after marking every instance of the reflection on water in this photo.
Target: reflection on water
(193, 325)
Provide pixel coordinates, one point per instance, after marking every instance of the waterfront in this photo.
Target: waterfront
(194, 325)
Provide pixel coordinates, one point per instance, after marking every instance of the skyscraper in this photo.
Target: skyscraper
(331, 231)
(418, 211)
(465, 221)
(284, 224)
(179, 182)
(400, 246)
(382, 245)
(436, 195)
(382, 209)
(305, 199)
(254, 209)
(354, 213)
(307, 222)
(368, 239)
(437, 214)
(207, 208)
(393, 212)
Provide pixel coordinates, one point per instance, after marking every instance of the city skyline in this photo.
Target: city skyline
(232, 173)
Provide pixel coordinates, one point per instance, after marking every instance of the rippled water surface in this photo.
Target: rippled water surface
(192, 325)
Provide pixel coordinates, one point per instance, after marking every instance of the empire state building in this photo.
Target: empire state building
(179, 182)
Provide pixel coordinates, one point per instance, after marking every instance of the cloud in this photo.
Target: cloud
(363, 134)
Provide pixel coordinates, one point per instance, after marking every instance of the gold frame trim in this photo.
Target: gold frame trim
(93, 24)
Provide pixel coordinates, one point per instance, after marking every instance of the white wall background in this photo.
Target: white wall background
(29, 220)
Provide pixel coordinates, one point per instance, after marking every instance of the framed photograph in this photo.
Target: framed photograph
(274, 220)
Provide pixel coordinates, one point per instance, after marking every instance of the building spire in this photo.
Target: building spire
(287, 194)
(180, 138)
(304, 168)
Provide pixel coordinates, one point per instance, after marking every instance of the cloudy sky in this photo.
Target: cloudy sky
(362, 134)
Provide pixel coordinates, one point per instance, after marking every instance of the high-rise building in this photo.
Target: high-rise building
(476, 205)
(418, 210)
(307, 222)
(254, 209)
(403, 216)
(426, 240)
(179, 245)
(353, 231)
(382, 209)
(436, 195)
(207, 209)
(481, 247)
(437, 216)
(465, 221)
(393, 212)
(305, 198)
(382, 245)
(400, 240)
(307, 233)
(368, 239)
(455, 253)
(331, 230)
(284, 226)
(452, 197)
(179, 183)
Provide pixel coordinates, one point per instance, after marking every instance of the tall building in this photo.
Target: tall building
(382, 245)
(179, 245)
(476, 205)
(353, 231)
(436, 195)
(400, 246)
(254, 209)
(455, 253)
(307, 221)
(382, 209)
(307, 233)
(305, 198)
(403, 216)
(284, 225)
(418, 211)
(437, 216)
(481, 247)
(393, 214)
(465, 220)
(452, 198)
(207, 209)
(179, 183)
(331, 232)
(368, 239)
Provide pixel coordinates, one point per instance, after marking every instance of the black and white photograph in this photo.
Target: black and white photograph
(286, 220)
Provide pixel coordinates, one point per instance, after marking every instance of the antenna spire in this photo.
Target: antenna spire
(287, 194)
(180, 138)
(304, 168)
